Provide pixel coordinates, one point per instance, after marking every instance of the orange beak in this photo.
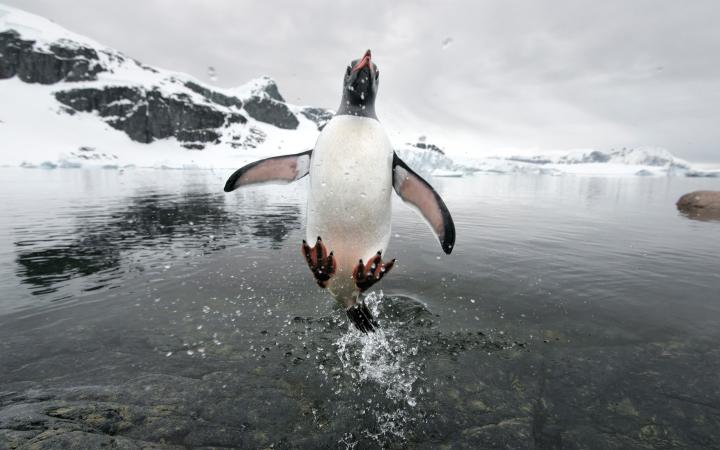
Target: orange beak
(365, 61)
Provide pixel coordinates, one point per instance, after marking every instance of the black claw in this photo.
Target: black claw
(367, 275)
(330, 264)
(323, 268)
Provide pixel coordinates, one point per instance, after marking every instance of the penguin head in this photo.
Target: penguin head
(360, 86)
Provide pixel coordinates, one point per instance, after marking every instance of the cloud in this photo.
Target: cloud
(481, 76)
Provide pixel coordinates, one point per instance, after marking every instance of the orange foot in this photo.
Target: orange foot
(321, 264)
(365, 275)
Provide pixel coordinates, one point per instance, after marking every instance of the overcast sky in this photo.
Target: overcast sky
(477, 76)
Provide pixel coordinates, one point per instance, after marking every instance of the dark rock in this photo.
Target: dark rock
(269, 110)
(148, 115)
(110, 101)
(207, 135)
(320, 116)
(59, 63)
(236, 118)
(596, 157)
(190, 146)
(425, 146)
(213, 96)
(254, 138)
(700, 204)
(530, 160)
(700, 200)
(703, 174)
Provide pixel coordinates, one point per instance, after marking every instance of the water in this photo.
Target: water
(145, 307)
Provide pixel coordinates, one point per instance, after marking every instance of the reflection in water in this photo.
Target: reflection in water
(273, 226)
(187, 222)
(702, 214)
(47, 267)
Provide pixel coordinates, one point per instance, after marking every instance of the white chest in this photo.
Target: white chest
(350, 148)
(349, 201)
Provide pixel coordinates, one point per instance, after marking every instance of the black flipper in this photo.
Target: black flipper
(361, 317)
(422, 197)
(276, 170)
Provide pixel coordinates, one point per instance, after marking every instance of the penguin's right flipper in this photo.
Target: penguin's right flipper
(276, 170)
(361, 317)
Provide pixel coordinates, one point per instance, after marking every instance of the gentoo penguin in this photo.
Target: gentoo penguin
(353, 170)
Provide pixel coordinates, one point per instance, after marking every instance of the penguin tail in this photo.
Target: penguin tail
(361, 317)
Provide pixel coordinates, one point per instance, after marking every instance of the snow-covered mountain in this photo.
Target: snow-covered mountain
(626, 161)
(430, 159)
(68, 101)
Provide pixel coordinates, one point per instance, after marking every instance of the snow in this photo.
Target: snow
(252, 88)
(621, 162)
(447, 173)
(499, 164)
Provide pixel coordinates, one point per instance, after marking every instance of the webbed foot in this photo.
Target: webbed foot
(320, 262)
(361, 317)
(365, 275)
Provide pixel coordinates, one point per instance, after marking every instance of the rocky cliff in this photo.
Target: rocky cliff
(147, 104)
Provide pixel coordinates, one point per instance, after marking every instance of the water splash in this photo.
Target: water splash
(382, 363)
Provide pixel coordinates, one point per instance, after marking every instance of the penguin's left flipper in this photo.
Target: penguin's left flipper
(276, 170)
(418, 193)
